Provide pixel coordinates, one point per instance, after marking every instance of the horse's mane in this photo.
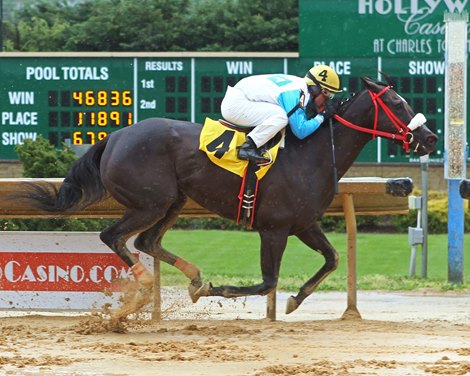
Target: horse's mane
(344, 103)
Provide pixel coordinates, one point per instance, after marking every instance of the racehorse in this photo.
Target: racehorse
(153, 166)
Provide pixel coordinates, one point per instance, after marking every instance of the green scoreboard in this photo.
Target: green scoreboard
(81, 98)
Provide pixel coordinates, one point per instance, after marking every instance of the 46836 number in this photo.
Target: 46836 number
(103, 98)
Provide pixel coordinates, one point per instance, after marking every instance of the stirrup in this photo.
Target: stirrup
(266, 163)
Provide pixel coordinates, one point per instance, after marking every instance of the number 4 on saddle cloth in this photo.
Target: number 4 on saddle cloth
(220, 141)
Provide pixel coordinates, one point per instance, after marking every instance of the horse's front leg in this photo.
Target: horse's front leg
(273, 244)
(315, 239)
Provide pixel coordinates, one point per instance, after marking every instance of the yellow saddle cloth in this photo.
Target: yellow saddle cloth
(220, 144)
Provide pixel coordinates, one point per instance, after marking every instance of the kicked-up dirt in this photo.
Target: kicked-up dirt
(399, 334)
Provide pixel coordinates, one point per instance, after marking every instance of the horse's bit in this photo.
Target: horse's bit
(404, 133)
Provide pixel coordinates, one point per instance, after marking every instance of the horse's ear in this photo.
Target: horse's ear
(388, 79)
(368, 82)
(371, 84)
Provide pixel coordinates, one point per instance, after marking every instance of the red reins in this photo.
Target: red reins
(404, 134)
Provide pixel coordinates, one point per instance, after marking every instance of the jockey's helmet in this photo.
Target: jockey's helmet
(324, 77)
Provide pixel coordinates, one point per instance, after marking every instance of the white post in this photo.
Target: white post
(455, 136)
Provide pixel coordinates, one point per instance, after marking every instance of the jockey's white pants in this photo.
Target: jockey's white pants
(267, 118)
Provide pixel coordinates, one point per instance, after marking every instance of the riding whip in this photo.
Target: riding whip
(333, 157)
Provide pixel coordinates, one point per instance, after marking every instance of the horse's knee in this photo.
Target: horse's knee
(118, 245)
(331, 260)
(143, 245)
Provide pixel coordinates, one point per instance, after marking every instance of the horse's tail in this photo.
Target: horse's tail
(81, 187)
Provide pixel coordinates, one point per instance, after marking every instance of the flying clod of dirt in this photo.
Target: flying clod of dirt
(133, 298)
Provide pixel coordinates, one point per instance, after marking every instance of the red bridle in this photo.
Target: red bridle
(404, 133)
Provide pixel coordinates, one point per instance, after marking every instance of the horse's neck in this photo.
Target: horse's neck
(349, 142)
(348, 145)
(316, 150)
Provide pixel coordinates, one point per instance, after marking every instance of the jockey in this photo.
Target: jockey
(269, 102)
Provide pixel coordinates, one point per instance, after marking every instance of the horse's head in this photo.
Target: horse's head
(391, 116)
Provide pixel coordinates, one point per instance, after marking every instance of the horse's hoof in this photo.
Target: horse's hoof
(196, 292)
(292, 305)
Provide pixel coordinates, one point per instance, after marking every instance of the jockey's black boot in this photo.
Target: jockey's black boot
(249, 151)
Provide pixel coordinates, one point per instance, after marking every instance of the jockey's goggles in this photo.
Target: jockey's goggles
(327, 94)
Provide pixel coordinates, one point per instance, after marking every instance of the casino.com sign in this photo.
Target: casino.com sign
(29, 271)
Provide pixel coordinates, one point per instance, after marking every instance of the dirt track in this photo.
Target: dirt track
(399, 335)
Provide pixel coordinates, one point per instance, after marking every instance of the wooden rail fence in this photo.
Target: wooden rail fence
(356, 196)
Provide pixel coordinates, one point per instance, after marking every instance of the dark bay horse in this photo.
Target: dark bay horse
(152, 167)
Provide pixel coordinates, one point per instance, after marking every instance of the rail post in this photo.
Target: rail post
(415, 234)
(424, 213)
(271, 305)
(157, 290)
(351, 229)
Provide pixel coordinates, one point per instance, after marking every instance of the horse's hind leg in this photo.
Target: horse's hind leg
(149, 242)
(115, 237)
(315, 239)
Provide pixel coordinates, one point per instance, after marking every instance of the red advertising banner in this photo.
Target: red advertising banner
(53, 271)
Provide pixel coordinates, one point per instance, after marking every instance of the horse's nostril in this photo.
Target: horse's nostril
(431, 140)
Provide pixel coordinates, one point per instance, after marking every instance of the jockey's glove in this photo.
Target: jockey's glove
(329, 110)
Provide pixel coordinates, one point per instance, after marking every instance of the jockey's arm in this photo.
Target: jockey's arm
(300, 125)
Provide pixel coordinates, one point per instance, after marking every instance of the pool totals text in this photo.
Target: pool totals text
(78, 104)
